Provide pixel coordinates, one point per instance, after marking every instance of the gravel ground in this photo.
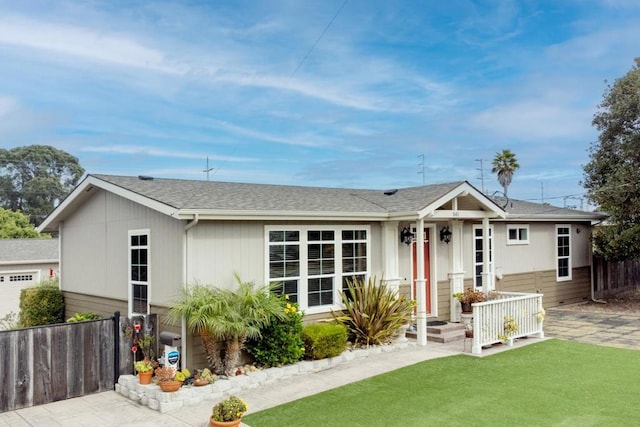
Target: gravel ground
(627, 303)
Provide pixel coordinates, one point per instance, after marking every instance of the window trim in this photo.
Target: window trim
(492, 254)
(147, 283)
(569, 276)
(303, 276)
(518, 227)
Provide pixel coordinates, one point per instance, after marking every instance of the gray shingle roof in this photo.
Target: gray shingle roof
(530, 209)
(215, 195)
(21, 250)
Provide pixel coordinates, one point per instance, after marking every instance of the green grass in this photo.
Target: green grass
(551, 383)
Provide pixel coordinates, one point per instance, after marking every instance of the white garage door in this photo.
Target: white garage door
(11, 283)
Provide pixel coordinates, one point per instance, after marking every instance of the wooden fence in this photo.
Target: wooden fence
(49, 363)
(614, 277)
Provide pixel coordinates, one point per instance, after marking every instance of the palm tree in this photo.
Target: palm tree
(224, 319)
(505, 164)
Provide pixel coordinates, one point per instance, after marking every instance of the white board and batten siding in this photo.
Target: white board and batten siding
(218, 249)
(96, 237)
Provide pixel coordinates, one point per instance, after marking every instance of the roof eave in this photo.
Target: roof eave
(82, 192)
(463, 189)
(267, 215)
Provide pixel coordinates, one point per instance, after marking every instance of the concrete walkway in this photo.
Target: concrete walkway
(112, 409)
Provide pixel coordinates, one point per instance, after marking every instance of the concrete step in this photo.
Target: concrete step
(442, 333)
(445, 329)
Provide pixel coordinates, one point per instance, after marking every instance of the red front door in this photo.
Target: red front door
(427, 270)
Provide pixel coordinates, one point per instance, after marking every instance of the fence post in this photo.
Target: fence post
(116, 347)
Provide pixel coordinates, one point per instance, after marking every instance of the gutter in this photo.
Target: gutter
(593, 296)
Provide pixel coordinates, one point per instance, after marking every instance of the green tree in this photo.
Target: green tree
(505, 164)
(14, 225)
(612, 176)
(35, 178)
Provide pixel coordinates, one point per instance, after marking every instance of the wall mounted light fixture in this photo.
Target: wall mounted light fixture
(406, 236)
(445, 235)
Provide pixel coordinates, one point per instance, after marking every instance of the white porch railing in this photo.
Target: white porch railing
(491, 319)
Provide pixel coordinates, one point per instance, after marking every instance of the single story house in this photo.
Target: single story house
(24, 263)
(131, 243)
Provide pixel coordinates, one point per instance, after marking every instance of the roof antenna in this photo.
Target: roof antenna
(208, 169)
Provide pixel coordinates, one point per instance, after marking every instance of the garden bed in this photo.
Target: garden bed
(154, 398)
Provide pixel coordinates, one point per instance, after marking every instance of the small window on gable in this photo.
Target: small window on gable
(517, 234)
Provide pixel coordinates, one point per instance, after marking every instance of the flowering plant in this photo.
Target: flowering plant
(230, 409)
(509, 327)
(168, 373)
(470, 295)
(143, 365)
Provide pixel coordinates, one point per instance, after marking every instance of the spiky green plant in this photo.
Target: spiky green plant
(373, 312)
(224, 318)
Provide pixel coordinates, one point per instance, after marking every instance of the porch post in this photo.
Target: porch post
(486, 273)
(421, 317)
(390, 239)
(456, 272)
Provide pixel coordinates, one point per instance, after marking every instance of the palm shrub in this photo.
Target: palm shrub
(224, 318)
(280, 341)
(373, 312)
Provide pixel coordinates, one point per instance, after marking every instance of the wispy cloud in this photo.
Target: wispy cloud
(155, 152)
(85, 43)
(309, 141)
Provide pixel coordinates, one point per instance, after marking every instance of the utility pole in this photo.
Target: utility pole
(422, 166)
(542, 192)
(481, 169)
(208, 169)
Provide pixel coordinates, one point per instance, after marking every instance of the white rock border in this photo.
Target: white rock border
(152, 396)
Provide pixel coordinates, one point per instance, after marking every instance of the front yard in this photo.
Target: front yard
(549, 383)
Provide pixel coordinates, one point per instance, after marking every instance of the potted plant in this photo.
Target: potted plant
(170, 379)
(144, 368)
(468, 297)
(228, 413)
(205, 377)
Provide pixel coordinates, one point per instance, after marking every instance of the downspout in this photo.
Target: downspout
(593, 296)
(185, 259)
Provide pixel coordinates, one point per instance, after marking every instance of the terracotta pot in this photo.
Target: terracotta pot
(198, 382)
(145, 377)
(233, 423)
(169, 385)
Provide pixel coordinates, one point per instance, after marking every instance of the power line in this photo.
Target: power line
(304, 58)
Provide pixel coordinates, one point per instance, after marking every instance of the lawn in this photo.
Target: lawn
(551, 383)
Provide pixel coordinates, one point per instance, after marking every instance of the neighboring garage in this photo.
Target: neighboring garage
(24, 263)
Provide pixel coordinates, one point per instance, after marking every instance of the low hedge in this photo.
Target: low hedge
(323, 340)
(41, 305)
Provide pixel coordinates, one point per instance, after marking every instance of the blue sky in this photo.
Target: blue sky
(154, 87)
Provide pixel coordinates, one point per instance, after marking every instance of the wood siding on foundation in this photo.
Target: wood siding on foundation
(555, 293)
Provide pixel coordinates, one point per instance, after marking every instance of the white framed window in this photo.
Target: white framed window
(478, 256)
(563, 252)
(313, 264)
(139, 269)
(517, 234)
